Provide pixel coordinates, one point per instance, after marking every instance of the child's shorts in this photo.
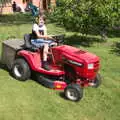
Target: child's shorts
(41, 42)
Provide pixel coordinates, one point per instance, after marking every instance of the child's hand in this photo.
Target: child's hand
(51, 38)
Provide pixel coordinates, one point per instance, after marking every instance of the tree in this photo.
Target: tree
(87, 16)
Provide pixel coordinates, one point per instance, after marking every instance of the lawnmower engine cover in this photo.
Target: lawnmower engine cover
(85, 64)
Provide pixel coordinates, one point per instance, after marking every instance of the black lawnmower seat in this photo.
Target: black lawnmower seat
(27, 43)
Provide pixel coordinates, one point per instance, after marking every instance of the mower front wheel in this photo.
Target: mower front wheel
(97, 81)
(21, 70)
(73, 92)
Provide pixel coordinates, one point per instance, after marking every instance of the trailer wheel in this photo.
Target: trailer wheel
(98, 81)
(21, 70)
(73, 92)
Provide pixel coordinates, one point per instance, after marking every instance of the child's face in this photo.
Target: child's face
(41, 21)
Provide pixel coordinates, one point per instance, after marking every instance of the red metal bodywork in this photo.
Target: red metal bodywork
(34, 61)
(71, 53)
(63, 55)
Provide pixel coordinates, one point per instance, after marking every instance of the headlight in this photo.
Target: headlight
(75, 63)
(90, 66)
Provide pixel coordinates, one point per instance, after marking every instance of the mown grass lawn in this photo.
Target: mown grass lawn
(31, 101)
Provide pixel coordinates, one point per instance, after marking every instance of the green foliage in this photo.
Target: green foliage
(16, 18)
(87, 16)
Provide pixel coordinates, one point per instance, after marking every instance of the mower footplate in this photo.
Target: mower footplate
(51, 72)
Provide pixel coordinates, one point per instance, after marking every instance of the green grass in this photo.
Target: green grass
(31, 101)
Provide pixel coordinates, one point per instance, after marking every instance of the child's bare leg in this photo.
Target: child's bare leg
(45, 52)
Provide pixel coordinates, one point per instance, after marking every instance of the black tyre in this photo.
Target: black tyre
(73, 92)
(21, 70)
(70, 74)
(98, 81)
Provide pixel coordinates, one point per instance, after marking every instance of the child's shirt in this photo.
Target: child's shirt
(39, 28)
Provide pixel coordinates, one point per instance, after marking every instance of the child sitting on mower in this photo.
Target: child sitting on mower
(41, 39)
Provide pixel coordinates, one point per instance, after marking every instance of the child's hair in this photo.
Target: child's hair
(43, 17)
(38, 17)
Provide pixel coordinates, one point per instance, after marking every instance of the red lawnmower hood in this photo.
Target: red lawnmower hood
(77, 54)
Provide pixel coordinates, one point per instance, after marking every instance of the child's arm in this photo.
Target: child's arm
(47, 36)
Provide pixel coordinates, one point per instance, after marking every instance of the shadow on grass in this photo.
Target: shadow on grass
(116, 48)
(62, 95)
(2, 66)
(114, 32)
(86, 41)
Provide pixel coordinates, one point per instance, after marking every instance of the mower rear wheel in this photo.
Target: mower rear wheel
(73, 92)
(97, 81)
(21, 70)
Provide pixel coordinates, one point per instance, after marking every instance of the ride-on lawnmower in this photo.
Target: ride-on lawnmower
(72, 69)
